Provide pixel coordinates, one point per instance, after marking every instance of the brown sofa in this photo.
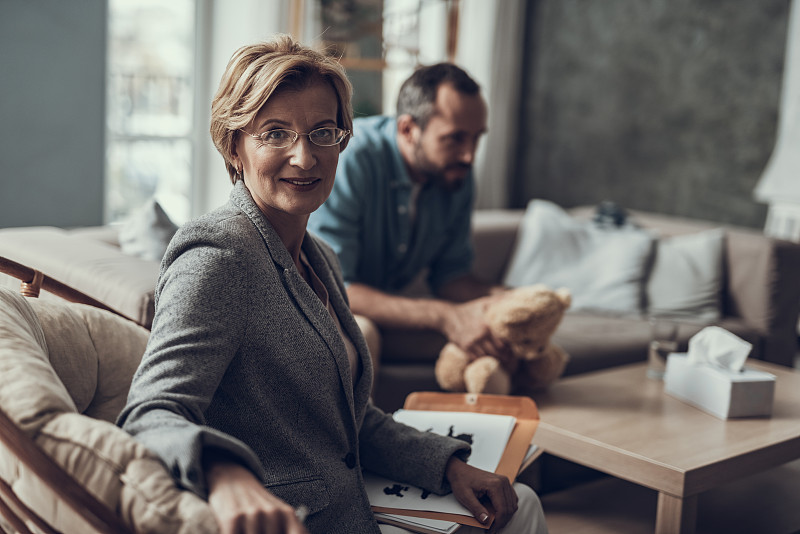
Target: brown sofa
(760, 298)
(760, 302)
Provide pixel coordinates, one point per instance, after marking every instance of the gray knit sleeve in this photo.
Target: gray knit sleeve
(195, 335)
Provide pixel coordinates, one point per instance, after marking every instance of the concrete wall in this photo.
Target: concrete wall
(52, 108)
(662, 105)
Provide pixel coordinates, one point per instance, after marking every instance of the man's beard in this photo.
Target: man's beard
(436, 174)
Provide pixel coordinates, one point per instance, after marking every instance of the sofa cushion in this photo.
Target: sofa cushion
(114, 467)
(147, 232)
(604, 268)
(686, 278)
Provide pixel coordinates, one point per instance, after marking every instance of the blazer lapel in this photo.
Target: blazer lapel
(305, 297)
(335, 293)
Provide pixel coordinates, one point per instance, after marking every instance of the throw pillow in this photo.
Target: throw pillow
(686, 279)
(604, 268)
(147, 232)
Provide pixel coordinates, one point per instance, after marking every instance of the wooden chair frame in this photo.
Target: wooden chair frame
(29, 454)
(33, 282)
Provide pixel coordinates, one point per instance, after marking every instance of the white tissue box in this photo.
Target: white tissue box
(720, 392)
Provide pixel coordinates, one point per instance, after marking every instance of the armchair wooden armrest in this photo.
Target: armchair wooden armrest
(33, 282)
(69, 490)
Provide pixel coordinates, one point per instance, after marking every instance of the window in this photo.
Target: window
(379, 42)
(150, 106)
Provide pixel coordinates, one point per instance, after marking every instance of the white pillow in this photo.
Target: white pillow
(686, 279)
(603, 268)
(147, 232)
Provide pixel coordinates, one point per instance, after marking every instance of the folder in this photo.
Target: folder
(511, 461)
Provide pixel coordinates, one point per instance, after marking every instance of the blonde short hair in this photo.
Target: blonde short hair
(255, 72)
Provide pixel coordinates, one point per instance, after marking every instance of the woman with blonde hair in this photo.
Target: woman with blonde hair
(254, 388)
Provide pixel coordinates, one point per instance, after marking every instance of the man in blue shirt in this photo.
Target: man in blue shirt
(401, 205)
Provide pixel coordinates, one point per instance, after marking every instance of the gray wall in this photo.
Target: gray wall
(52, 107)
(662, 105)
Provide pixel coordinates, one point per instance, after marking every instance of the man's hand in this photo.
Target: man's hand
(471, 484)
(465, 326)
(461, 321)
(242, 505)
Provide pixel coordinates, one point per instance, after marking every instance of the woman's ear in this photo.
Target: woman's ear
(236, 161)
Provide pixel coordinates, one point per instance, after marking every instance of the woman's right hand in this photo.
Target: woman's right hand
(242, 505)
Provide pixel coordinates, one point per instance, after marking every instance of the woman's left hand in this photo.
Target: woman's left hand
(242, 505)
(470, 485)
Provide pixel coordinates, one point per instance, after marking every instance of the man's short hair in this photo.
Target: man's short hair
(418, 93)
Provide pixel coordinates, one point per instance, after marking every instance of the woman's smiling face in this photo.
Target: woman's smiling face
(295, 180)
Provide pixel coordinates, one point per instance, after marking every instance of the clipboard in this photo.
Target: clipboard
(521, 408)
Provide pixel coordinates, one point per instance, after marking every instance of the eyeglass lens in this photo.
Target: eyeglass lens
(282, 138)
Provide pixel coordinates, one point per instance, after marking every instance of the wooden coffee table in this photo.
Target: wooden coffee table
(622, 423)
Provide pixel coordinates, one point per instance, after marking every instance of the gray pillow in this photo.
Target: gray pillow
(686, 279)
(147, 232)
(604, 268)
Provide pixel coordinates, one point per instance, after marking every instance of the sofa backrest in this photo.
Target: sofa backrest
(760, 285)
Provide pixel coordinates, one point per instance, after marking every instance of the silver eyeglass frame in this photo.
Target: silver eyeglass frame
(342, 133)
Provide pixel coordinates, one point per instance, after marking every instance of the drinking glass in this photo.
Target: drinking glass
(663, 341)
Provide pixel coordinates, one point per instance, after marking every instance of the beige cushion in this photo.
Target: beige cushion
(97, 353)
(94, 353)
(30, 390)
(686, 278)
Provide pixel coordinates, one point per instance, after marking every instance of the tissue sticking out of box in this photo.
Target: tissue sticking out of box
(712, 376)
(717, 347)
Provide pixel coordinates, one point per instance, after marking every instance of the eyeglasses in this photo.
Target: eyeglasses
(283, 138)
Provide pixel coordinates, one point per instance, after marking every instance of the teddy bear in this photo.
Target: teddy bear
(525, 318)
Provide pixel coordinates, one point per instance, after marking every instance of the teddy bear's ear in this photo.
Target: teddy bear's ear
(512, 317)
(564, 296)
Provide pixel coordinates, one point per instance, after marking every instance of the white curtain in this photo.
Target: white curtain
(224, 26)
(490, 47)
(781, 179)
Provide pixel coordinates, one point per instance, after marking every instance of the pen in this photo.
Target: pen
(301, 512)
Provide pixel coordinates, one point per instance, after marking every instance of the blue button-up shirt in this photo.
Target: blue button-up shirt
(367, 218)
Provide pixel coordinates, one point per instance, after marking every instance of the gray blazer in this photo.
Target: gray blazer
(245, 362)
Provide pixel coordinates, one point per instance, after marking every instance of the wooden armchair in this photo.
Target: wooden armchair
(65, 369)
(57, 479)
(32, 282)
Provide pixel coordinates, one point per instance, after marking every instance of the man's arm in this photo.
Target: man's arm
(467, 287)
(460, 322)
